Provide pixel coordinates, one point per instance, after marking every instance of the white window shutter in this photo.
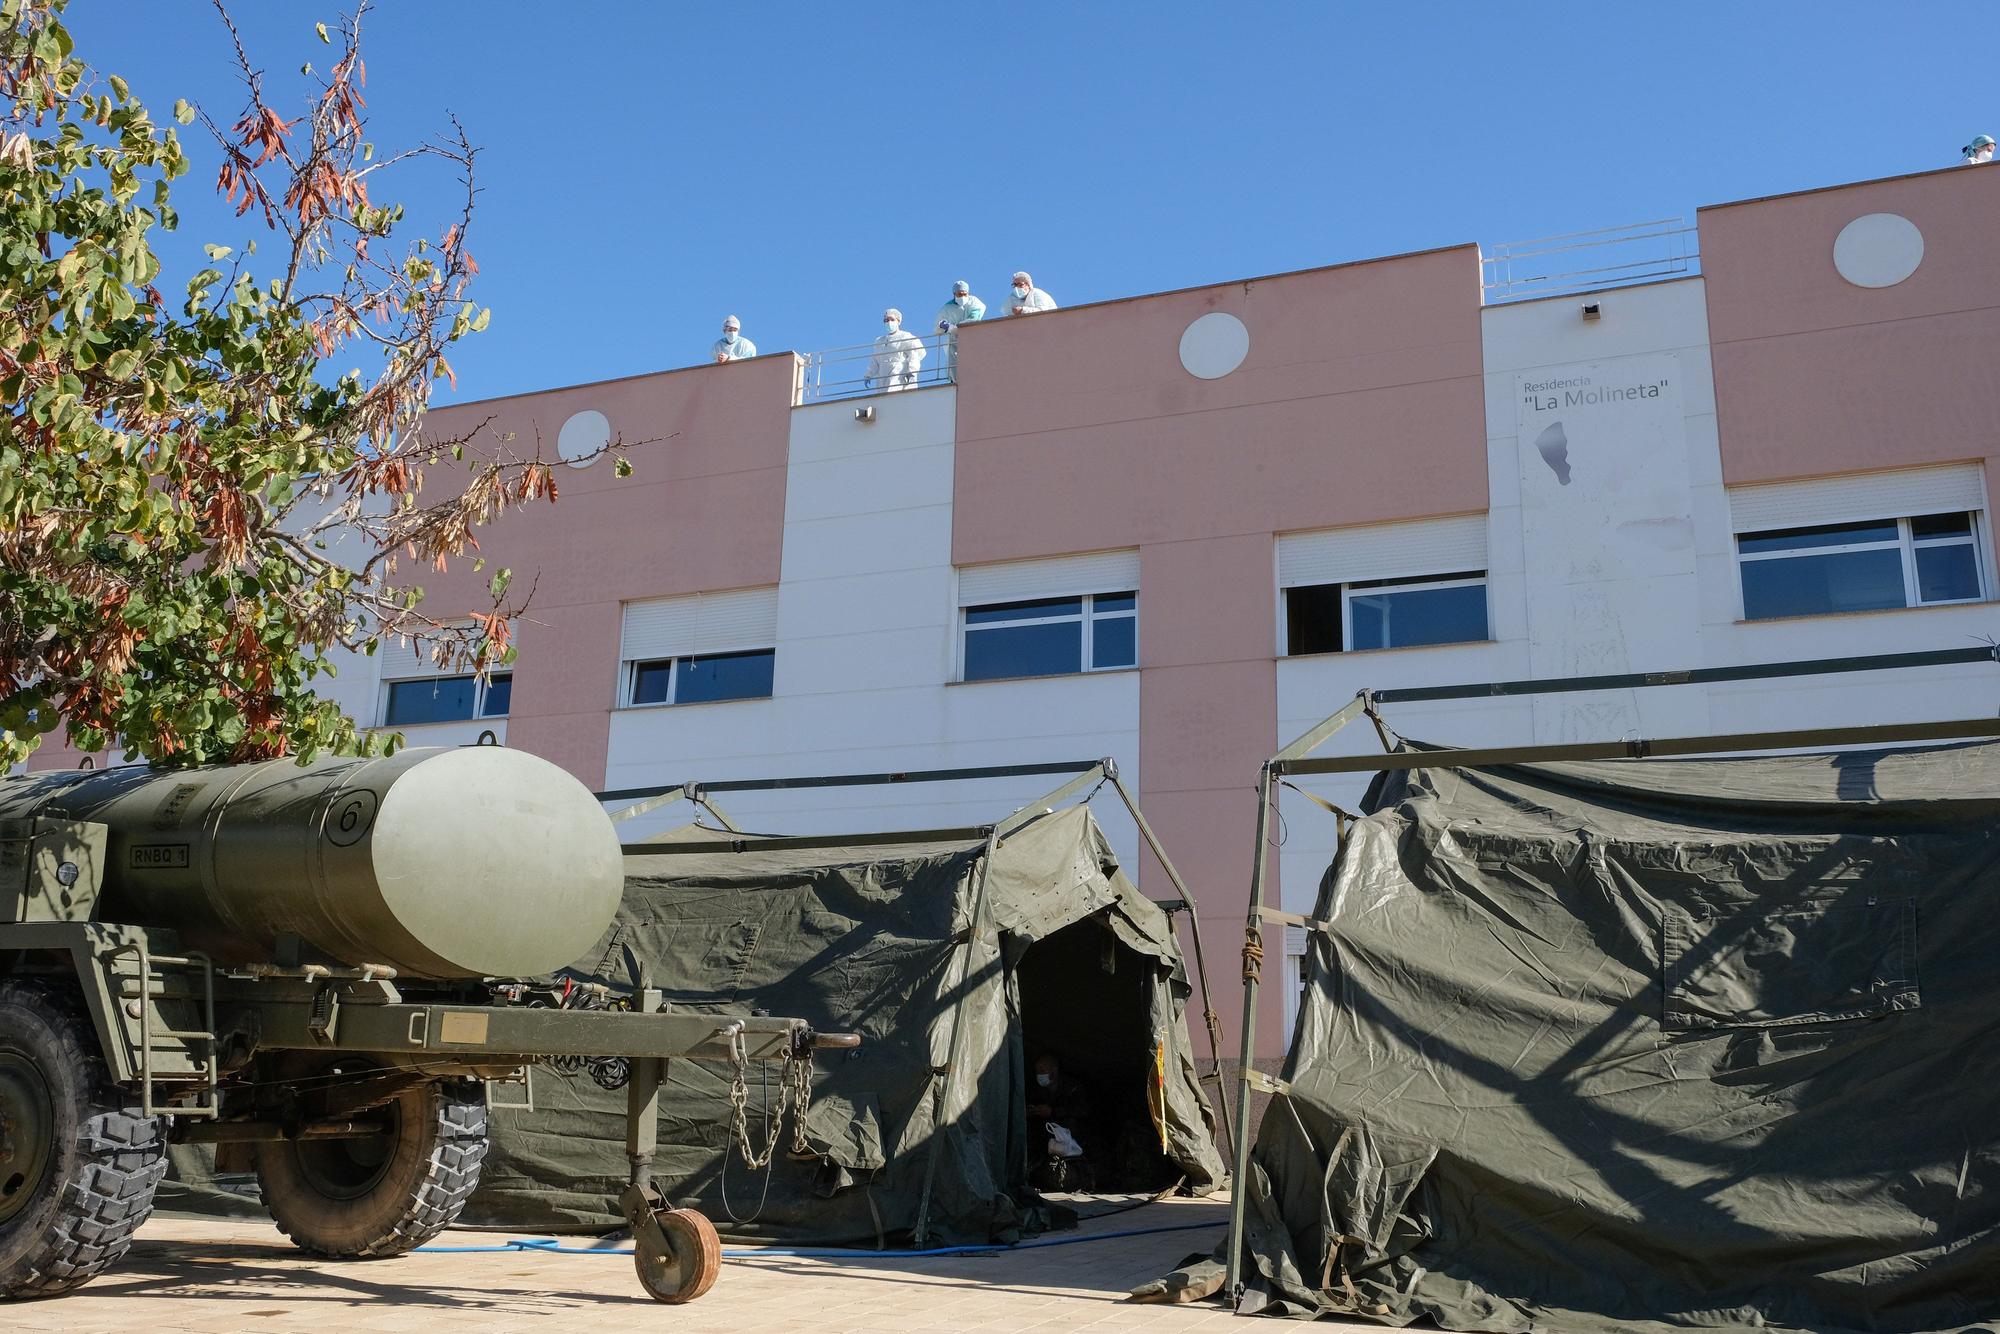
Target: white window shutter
(1858, 497)
(700, 623)
(404, 661)
(1382, 551)
(1063, 576)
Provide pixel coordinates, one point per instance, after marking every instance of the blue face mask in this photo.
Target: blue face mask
(728, 335)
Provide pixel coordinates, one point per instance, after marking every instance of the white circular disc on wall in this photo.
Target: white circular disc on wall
(1878, 250)
(1214, 345)
(583, 438)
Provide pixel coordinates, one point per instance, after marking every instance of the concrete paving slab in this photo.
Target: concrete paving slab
(208, 1275)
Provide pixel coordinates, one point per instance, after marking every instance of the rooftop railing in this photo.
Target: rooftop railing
(861, 371)
(1589, 261)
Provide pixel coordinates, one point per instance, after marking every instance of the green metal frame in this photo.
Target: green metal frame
(1296, 759)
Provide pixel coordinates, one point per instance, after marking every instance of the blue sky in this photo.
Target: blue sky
(650, 167)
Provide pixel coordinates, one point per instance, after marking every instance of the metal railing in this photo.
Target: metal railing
(861, 371)
(1588, 261)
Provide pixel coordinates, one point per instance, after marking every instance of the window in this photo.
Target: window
(447, 699)
(1386, 613)
(701, 679)
(1875, 564)
(1093, 632)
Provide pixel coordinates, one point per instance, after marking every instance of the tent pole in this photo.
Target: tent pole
(702, 799)
(943, 1098)
(1034, 810)
(1208, 1013)
(650, 805)
(1252, 966)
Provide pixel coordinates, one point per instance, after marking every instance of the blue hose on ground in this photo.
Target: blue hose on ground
(551, 1245)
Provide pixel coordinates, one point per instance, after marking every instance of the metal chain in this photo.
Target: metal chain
(794, 1095)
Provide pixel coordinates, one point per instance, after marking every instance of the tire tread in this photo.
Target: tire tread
(104, 1206)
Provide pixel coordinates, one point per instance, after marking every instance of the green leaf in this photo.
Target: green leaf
(320, 28)
(621, 467)
(183, 112)
(215, 252)
(119, 88)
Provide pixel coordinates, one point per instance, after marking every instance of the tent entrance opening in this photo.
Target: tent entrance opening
(1086, 1001)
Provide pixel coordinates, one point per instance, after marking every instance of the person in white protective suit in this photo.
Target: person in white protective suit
(733, 346)
(1978, 151)
(898, 354)
(963, 308)
(1028, 298)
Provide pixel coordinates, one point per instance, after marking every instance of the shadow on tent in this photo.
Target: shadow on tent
(1585, 968)
(960, 955)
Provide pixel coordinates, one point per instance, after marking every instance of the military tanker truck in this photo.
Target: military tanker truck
(317, 969)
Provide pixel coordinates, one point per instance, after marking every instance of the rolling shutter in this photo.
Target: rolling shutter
(1382, 551)
(1858, 497)
(700, 623)
(1063, 576)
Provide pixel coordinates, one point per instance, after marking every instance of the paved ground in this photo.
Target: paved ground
(209, 1275)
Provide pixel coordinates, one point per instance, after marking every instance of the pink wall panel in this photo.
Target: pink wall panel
(704, 509)
(1360, 401)
(1816, 376)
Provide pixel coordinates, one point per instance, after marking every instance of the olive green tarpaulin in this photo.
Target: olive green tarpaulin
(870, 939)
(1647, 1045)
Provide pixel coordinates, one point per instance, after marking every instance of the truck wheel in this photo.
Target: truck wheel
(78, 1163)
(375, 1197)
(688, 1266)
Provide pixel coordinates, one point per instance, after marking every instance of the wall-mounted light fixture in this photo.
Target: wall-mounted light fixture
(1592, 311)
(865, 414)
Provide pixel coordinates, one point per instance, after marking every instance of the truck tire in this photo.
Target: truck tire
(370, 1199)
(78, 1163)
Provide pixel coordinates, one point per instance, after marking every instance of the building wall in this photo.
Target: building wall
(1358, 400)
(866, 653)
(703, 509)
(1599, 454)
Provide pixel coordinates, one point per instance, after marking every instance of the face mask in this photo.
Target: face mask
(891, 326)
(1045, 1080)
(962, 299)
(1020, 290)
(729, 335)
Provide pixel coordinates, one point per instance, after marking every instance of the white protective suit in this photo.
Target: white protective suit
(724, 350)
(897, 358)
(1035, 300)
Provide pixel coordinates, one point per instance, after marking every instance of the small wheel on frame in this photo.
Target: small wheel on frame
(690, 1263)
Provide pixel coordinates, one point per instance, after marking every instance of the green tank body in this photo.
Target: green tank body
(475, 861)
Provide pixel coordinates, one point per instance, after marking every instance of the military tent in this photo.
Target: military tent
(884, 936)
(1648, 1045)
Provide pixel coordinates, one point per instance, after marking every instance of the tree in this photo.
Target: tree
(174, 476)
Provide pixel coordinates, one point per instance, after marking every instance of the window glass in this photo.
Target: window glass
(724, 676)
(1941, 525)
(435, 699)
(1825, 535)
(499, 695)
(650, 681)
(1312, 619)
(1023, 611)
(1114, 641)
(1947, 573)
(1023, 650)
(1413, 616)
(1115, 602)
(1816, 585)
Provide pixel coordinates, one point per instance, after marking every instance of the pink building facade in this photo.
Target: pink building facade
(1177, 530)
